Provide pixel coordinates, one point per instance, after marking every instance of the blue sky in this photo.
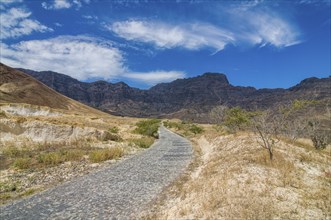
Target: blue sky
(265, 44)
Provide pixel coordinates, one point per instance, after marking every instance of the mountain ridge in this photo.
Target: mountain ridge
(191, 98)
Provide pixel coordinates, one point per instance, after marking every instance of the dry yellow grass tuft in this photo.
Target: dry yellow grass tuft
(235, 179)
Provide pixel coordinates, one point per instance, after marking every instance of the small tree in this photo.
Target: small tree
(266, 128)
(237, 118)
(294, 117)
(217, 114)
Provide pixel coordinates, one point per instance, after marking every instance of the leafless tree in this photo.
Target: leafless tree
(266, 127)
(217, 113)
(319, 137)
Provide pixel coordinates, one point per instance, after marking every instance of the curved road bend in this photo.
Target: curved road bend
(120, 191)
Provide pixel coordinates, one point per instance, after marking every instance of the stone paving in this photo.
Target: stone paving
(120, 191)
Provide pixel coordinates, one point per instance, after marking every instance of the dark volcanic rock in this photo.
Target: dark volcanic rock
(183, 98)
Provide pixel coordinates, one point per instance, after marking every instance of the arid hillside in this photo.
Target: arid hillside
(19, 87)
(233, 178)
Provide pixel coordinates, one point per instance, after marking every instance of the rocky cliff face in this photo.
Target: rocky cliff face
(181, 98)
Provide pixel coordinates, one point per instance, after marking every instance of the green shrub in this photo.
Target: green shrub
(185, 128)
(114, 130)
(172, 124)
(99, 155)
(237, 118)
(144, 142)
(148, 127)
(22, 163)
(195, 129)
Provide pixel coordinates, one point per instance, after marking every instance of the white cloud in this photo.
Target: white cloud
(16, 22)
(262, 27)
(190, 36)
(273, 30)
(154, 77)
(79, 57)
(57, 4)
(64, 4)
(245, 23)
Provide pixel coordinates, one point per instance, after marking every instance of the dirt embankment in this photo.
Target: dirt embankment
(21, 122)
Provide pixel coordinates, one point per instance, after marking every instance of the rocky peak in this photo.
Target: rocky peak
(312, 82)
(220, 77)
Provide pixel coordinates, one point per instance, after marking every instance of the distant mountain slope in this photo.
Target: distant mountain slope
(18, 87)
(190, 98)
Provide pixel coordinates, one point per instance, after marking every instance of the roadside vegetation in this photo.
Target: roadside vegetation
(148, 127)
(40, 155)
(184, 128)
(293, 121)
(26, 168)
(149, 131)
(255, 165)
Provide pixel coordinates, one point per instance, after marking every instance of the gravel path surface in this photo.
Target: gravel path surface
(120, 191)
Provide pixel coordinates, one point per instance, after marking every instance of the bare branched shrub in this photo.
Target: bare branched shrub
(217, 114)
(266, 127)
(318, 137)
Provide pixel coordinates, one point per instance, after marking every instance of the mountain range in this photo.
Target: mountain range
(188, 99)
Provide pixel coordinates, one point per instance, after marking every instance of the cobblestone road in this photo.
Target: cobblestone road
(120, 191)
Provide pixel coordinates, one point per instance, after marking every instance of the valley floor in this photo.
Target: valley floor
(233, 178)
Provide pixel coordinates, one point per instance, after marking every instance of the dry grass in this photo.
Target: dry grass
(236, 180)
(143, 142)
(28, 168)
(101, 155)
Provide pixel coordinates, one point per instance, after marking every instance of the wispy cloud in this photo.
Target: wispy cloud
(63, 4)
(262, 27)
(58, 24)
(250, 22)
(80, 57)
(315, 2)
(16, 22)
(8, 3)
(90, 17)
(190, 36)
